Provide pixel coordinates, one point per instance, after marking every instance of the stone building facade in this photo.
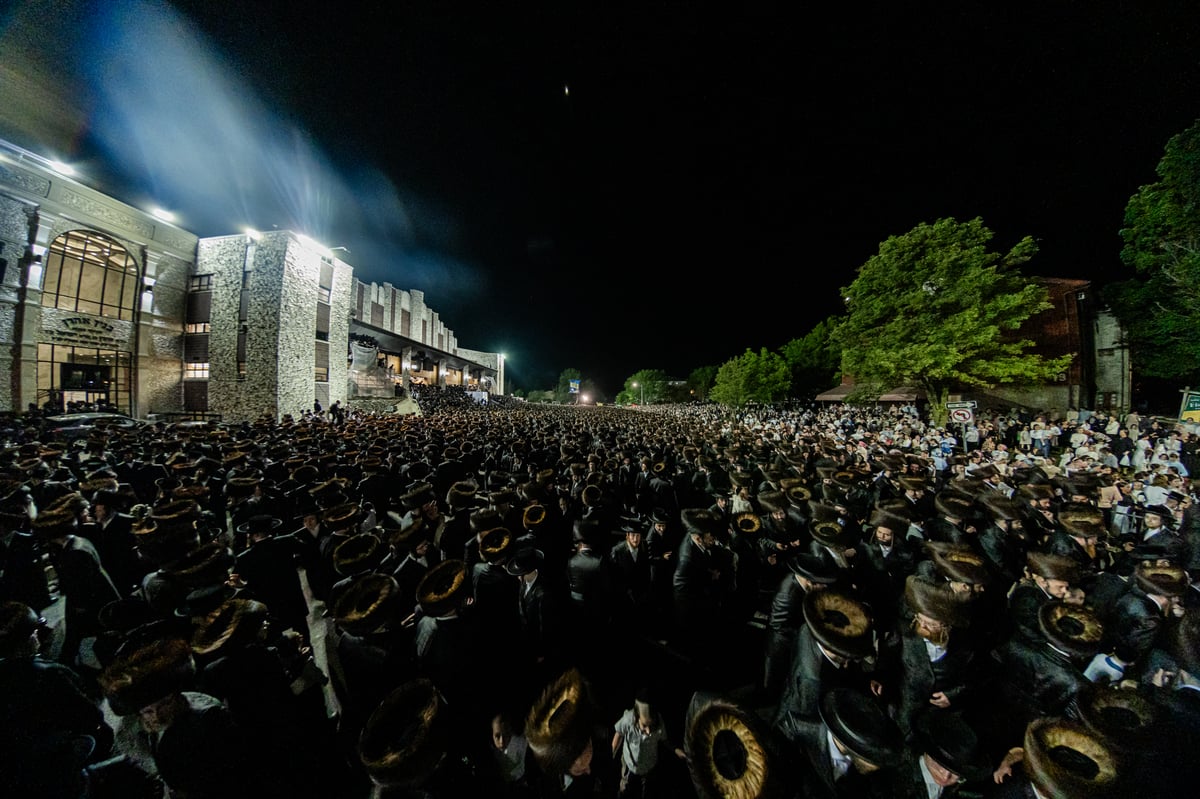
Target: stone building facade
(105, 303)
(91, 296)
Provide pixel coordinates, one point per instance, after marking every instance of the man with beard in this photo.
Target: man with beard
(887, 559)
(931, 669)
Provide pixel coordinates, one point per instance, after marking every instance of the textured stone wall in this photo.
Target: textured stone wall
(340, 298)
(297, 310)
(160, 345)
(225, 258)
(14, 239)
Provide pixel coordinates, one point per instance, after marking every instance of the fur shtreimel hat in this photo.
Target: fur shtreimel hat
(559, 724)
(368, 604)
(729, 752)
(840, 622)
(236, 622)
(936, 601)
(148, 674)
(405, 739)
(444, 587)
(495, 544)
(1066, 760)
(1073, 629)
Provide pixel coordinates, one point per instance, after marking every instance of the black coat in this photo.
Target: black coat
(268, 568)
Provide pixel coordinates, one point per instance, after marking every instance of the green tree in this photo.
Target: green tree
(648, 385)
(814, 359)
(752, 377)
(562, 393)
(700, 381)
(936, 308)
(1160, 306)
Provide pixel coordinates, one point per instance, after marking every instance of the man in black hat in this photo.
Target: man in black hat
(543, 614)
(887, 559)
(49, 726)
(1152, 601)
(835, 647)
(703, 584)
(629, 567)
(268, 568)
(1043, 678)
(944, 760)
(806, 572)
(112, 533)
(850, 750)
(931, 668)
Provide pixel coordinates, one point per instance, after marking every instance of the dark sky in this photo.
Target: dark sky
(715, 174)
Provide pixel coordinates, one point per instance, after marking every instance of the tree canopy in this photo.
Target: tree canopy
(646, 386)
(1160, 306)
(752, 377)
(936, 308)
(814, 359)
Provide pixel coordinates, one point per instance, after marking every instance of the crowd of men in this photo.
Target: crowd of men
(535, 601)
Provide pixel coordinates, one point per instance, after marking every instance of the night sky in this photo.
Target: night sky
(611, 186)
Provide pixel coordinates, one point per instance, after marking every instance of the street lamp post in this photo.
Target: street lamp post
(635, 385)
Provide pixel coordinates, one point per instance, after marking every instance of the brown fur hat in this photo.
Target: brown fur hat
(236, 622)
(368, 603)
(559, 725)
(405, 738)
(1073, 629)
(840, 622)
(147, 674)
(1066, 760)
(444, 587)
(495, 544)
(725, 767)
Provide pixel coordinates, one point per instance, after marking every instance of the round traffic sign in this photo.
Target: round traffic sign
(962, 415)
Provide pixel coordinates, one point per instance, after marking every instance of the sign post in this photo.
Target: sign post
(962, 413)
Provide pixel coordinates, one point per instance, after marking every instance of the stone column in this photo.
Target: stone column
(28, 320)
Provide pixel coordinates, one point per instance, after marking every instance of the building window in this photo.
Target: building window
(195, 371)
(323, 294)
(198, 327)
(200, 283)
(90, 273)
(321, 374)
(83, 374)
(241, 373)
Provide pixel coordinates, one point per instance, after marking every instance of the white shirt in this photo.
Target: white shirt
(841, 763)
(932, 789)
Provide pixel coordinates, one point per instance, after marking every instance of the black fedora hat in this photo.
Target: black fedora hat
(861, 725)
(526, 560)
(950, 741)
(822, 571)
(262, 523)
